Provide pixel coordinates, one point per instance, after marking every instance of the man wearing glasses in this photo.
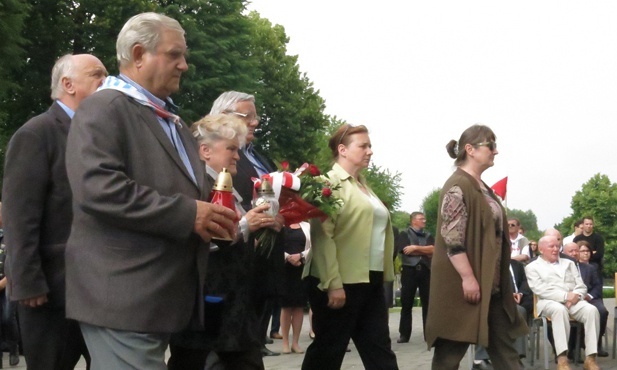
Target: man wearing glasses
(252, 164)
(520, 244)
(581, 253)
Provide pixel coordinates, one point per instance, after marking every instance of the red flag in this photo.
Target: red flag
(500, 187)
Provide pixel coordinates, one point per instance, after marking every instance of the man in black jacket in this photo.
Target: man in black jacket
(269, 269)
(415, 247)
(589, 275)
(38, 221)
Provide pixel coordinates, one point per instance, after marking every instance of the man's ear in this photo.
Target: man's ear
(137, 52)
(67, 85)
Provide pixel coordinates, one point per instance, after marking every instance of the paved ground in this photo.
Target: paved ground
(412, 355)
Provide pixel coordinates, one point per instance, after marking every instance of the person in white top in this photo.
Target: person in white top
(520, 244)
(578, 230)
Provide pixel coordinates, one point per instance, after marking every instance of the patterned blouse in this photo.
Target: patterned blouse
(454, 222)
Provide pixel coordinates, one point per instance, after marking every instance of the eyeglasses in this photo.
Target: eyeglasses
(246, 116)
(491, 145)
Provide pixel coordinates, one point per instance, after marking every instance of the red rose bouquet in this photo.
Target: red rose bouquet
(303, 195)
(314, 199)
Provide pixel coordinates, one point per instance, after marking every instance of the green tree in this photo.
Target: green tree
(50, 29)
(400, 220)
(385, 184)
(323, 158)
(97, 24)
(292, 110)
(12, 17)
(220, 59)
(598, 199)
(430, 207)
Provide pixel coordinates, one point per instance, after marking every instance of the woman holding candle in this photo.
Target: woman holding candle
(232, 326)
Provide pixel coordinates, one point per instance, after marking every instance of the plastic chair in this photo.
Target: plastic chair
(543, 321)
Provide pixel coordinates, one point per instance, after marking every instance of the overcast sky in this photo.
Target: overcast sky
(542, 74)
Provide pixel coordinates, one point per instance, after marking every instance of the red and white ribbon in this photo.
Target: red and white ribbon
(279, 180)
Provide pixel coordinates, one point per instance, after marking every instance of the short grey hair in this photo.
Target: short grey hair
(64, 67)
(227, 101)
(216, 127)
(144, 29)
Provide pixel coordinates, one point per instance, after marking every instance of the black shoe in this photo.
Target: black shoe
(13, 359)
(267, 352)
(269, 341)
(602, 353)
(402, 339)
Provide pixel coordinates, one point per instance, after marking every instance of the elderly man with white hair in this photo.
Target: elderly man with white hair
(561, 291)
(137, 255)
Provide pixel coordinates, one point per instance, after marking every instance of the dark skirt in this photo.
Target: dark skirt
(294, 293)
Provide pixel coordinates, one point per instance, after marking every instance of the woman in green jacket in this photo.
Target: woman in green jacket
(350, 259)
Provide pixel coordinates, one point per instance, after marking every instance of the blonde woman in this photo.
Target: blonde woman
(231, 326)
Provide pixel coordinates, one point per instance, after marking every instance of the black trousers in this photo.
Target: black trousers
(50, 340)
(183, 358)
(264, 307)
(8, 328)
(412, 279)
(363, 318)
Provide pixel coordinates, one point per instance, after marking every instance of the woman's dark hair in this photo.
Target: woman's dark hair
(473, 135)
(343, 136)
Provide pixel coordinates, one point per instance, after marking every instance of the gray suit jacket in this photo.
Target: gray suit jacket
(36, 207)
(551, 283)
(133, 262)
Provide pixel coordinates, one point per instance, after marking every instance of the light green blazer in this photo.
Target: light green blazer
(341, 244)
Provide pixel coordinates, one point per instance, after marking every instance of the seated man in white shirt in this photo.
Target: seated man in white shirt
(561, 291)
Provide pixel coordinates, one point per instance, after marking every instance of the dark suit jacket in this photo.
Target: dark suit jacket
(242, 180)
(268, 271)
(522, 286)
(589, 273)
(133, 262)
(36, 207)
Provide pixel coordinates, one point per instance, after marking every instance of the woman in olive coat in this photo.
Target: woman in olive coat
(471, 295)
